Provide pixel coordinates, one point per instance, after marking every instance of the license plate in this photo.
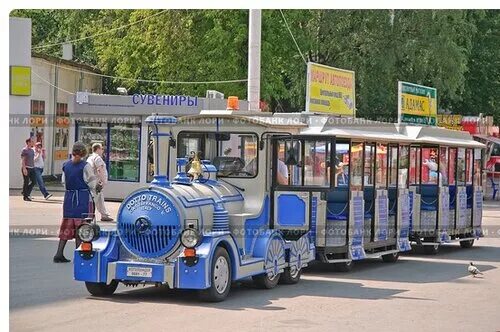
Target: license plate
(134, 271)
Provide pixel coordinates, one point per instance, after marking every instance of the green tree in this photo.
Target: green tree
(51, 26)
(481, 93)
(455, 51)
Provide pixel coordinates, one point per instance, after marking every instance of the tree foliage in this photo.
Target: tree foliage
(455, 51)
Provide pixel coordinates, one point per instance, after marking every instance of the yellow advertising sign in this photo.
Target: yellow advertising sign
(450, 121)
(414, 105)
(417, 103)
(330, 90)
(20, 81)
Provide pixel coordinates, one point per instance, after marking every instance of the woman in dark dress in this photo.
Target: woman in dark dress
(80, 183)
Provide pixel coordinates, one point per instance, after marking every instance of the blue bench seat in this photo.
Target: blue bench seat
(393, 196)
(453, 196)
(470, 194)
(368, 194)
(429, 197)
(338, 204)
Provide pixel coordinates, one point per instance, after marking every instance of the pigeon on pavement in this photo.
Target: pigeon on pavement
(473, 270)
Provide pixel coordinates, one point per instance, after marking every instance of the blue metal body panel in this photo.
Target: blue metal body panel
(85, 269)
(314, 219)
(193, 277)
(149, 223)
(271, 246)
(270, 253)
(254, 226)
(291, 210)
(93, 267)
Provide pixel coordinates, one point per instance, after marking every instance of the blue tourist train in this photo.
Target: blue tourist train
(240, 194)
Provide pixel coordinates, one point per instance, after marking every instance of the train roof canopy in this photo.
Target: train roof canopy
(440, 136)
(361, 129)
(354, 128)
(266, 119)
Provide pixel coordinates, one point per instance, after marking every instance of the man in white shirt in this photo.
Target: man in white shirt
(99, 167)
(39, 164)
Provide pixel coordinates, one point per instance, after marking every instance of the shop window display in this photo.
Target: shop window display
(37, 120)
(124, 152)
(93, 132)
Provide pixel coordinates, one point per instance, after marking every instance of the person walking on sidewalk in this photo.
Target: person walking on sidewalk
(100, 172)
(80, 184)
(28, 170)
(39, 164)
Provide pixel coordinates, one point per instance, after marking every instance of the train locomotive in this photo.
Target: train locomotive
(240, 194)
(203, 232)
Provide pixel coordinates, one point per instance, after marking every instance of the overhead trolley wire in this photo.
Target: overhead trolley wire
(151, 81)
(291, 34)
(52, 85)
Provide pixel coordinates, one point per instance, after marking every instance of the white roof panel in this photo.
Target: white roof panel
(442, 136)
(489, 138)
(359, 129)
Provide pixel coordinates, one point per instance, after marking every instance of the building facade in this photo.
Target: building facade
(64, 103)
(118, 123)
(54, 83)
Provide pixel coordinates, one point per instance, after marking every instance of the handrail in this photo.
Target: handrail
(393, 206)
(336, 215)
(371, 206)
(431, 203)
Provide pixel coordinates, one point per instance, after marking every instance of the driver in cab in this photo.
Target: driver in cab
(282, 174)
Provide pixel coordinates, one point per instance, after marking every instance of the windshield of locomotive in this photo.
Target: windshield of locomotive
(233, 154)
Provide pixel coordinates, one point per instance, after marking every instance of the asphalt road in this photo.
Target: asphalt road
(418, 293)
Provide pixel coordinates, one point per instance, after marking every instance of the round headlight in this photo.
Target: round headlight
(190, 238)
(88, 232)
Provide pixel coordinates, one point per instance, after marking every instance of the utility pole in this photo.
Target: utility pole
(254, 42)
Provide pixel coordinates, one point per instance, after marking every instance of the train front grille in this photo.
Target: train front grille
(156, 241)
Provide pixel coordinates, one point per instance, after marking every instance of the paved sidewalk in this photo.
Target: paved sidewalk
(41, 217)
(418, 293)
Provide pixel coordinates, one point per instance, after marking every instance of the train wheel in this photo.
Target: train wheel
(220, 283)
(343, 267)
(467, 244)
(391, 258)
(431, 249)
(101, 288)
(266, 281)
(290, 276)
